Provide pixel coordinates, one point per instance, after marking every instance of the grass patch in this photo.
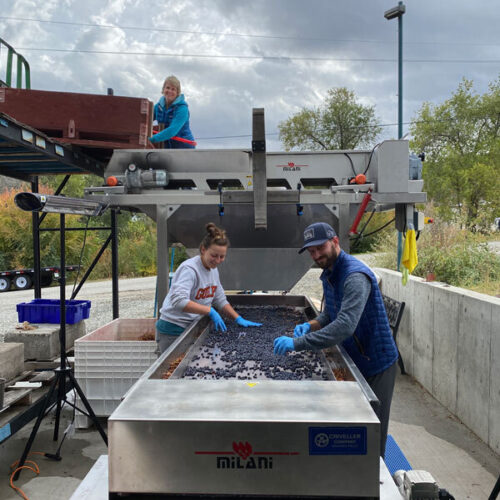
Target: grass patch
(455, 256)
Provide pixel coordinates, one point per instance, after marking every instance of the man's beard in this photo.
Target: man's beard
(326, 261)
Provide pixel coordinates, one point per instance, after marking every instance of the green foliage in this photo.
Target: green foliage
(340, 123)
(455, 256)
(74, 188)
(136, 234)
(466, 265)
(372, 234)
(15, 235)
(461, 139)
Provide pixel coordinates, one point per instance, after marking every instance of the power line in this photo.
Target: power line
(276, 133)
(191, 32)
(241, 35)
(257, 57)
(375, 125)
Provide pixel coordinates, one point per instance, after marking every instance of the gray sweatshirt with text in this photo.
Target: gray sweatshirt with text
(192, 281)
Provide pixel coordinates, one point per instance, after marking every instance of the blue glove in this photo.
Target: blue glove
(283, 344)
(245, 322)
(153, 139)
(218, 321)
(301, 330)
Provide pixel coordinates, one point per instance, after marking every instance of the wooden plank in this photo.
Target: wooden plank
(45, 377)
(22, 376)
(41, 365)
(50, 364)
(17, 397)
(13, 418)
(26, 385)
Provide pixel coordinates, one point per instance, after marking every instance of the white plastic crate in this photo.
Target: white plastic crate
(109, 360)
(101, 407)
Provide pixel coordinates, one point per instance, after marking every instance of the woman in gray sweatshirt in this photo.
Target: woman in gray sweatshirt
(195, 288)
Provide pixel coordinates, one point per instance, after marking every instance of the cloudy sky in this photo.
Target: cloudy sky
(233, 55)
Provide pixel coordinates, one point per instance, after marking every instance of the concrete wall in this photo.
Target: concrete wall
(449, 339)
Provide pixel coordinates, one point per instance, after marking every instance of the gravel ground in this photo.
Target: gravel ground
(136, 299)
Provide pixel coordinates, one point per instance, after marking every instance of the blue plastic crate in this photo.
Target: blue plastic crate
(49, 311)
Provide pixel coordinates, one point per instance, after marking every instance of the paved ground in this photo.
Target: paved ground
(431, 438)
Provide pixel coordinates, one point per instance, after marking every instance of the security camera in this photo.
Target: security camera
(397, 11)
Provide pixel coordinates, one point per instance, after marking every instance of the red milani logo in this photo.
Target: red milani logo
(243, 457)
(244, 450)
(291, 166)
(205, 293)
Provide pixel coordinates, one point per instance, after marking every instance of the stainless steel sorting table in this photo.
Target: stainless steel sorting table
(245, 437)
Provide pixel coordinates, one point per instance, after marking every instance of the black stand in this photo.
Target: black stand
(64, 370)
(496, 490)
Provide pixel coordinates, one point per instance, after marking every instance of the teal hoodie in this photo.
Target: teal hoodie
(176, 120)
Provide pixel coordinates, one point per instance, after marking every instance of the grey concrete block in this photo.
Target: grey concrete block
(494, 413)
(406, 334)
(43, 343)
(390, 282)
(423, 333)
(11, 360)
(449, 339)
(444, 367)
(474, 336)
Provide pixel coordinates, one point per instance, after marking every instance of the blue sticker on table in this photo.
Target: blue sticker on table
(337, 440)
(4, 432)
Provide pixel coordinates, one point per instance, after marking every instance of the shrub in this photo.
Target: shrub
(372, 232)
(455, 256)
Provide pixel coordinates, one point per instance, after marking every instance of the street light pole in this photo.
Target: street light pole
(398, 12)
(400, 74)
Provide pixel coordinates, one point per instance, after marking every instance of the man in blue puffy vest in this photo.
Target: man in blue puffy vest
(354, 316)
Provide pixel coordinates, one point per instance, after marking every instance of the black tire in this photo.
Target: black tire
(4, 284)
(23, 282)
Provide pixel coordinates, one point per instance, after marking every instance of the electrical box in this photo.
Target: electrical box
(418, 220)
(415, 167)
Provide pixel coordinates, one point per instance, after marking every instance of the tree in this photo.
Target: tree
(461, 139)
(339, 123)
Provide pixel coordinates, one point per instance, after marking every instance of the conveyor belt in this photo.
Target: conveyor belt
(27, 152)
(247, 353)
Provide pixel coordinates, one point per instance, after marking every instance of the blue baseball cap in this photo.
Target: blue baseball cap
(317, 234)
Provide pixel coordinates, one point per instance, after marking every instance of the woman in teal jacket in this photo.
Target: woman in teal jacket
(172, 111)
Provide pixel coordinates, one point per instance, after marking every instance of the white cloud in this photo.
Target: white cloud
(222, 91)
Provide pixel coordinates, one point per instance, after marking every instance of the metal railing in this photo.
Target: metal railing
(21, 62)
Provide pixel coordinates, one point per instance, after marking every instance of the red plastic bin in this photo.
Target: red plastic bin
(49, 311)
